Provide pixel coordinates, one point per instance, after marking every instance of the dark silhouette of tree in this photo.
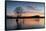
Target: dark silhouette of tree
(18, 10)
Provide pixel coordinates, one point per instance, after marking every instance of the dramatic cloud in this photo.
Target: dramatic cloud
(28, 8)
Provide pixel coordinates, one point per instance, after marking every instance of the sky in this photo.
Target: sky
(30, 8)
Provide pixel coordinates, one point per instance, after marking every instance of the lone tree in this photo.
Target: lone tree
(18, 10)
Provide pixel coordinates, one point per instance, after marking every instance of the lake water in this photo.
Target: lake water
(25, 23)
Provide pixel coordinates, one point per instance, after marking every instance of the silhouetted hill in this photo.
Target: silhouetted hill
(10, 17)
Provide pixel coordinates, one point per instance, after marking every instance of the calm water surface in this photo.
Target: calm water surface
(25, 23)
